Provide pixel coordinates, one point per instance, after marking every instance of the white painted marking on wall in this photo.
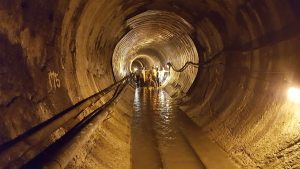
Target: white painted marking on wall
(54, 81)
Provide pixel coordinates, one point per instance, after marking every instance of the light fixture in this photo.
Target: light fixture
(135, 69)
(294, 94)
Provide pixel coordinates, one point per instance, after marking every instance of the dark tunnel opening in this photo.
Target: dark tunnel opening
(242, 98)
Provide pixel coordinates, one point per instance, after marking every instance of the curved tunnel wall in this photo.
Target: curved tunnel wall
(56, 53)
(162, 36)
(244, 102)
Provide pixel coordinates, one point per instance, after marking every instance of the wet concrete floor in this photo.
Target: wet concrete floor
(157, 141)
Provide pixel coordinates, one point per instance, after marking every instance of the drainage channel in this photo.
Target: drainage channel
(157, 141)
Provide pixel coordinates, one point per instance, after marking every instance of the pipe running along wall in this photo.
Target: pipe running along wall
(56, 53)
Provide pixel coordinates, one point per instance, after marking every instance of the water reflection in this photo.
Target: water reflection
(157, 141)
(155, 109)
(164, 118)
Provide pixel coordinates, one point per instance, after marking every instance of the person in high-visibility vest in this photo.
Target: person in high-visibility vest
(144, 75)
(155, 75)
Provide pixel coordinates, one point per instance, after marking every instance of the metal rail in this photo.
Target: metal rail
(21, 149)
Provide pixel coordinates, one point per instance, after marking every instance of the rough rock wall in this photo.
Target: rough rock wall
(243, 93)
(53, 54)
(32, 87)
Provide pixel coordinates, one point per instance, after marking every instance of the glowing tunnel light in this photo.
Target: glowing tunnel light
(294, 94)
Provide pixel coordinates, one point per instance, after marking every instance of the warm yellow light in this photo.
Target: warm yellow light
(135, 69)
(294, 94)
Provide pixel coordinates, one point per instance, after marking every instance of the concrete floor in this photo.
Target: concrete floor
(159, 142)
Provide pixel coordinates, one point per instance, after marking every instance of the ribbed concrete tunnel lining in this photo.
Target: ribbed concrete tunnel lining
(162, 36)
(54, 54)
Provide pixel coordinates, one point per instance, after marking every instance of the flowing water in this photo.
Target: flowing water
(157, 141)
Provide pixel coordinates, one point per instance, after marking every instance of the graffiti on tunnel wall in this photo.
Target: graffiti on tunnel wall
(54, 81)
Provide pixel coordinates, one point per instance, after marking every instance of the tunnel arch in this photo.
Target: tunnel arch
(156, 40)
(73, 49)
(137, 64)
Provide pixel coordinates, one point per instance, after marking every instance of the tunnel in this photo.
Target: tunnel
(67, 99)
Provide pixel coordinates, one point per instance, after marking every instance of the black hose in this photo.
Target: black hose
(184, 67)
